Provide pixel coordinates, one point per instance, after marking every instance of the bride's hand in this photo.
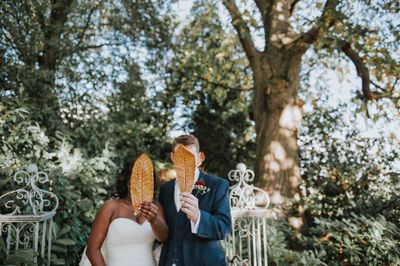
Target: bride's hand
(149, 210)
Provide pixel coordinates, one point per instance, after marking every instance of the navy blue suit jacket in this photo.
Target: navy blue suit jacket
(204, 247)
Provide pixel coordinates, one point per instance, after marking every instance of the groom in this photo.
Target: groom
(196, 224)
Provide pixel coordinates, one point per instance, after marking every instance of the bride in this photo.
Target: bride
(121, 238)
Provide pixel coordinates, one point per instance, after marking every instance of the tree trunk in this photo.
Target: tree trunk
(43, 96)
(277, 113)
(276, 109)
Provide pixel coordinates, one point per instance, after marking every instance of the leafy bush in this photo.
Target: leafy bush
(351, 196)
(279, 252)
(356, 240)
(81, 184)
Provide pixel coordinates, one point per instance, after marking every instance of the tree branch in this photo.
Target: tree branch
(264, 6)
(385, 89)
(362, 72)
(220, 84)
(95, 46)
(292, 6)
(326, 19)
(87, 24)
(242, 29)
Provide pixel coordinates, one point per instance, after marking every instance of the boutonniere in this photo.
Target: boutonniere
(200, 188)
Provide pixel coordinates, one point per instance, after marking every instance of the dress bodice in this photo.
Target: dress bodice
(127, 244)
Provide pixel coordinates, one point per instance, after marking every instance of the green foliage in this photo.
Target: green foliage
(21, 138)
(58, 55)
(28, 256)
(210, 77)
(223, 148)
(357, 240)
(347, 174)
(279, 252)
(350, 198)
(129, 126)
(350, 193)
(81, 184)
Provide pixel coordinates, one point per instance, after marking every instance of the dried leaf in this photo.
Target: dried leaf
(142, 181)
(184, 165)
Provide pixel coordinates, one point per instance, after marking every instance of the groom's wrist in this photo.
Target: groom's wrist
(197, 217)
(195, 224)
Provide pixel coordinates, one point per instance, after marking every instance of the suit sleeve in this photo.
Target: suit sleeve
(216, 225)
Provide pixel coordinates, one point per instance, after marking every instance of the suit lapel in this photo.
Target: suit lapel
(201, 198)
(170, 197)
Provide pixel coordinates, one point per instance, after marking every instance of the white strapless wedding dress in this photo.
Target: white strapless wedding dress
(127, 244)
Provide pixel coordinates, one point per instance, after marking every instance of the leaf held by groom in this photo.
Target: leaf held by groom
(197, 222)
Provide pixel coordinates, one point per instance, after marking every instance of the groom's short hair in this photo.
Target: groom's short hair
(186, 140)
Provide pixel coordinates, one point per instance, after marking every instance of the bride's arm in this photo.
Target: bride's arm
(99, 233)
(154, 213)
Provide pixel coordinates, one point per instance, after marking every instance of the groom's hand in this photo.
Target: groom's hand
(190, 206)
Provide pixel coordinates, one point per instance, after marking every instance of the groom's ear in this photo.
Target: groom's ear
(171, 155)
(202, 158)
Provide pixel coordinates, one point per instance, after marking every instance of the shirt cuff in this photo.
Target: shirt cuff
(195, 226)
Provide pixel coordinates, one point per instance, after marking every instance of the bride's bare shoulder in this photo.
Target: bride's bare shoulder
(111, 204)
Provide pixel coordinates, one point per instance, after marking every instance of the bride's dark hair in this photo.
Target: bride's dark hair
(123, 179)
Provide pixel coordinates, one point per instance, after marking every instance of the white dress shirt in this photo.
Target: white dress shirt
(177, 192)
